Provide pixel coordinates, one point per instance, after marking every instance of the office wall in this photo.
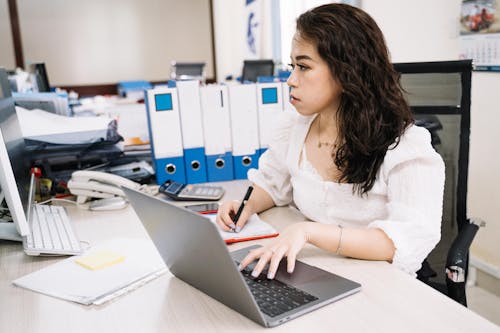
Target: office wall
(484, 178)
(427, 30)
(97, 42)
(7, 58)
(230, 33)
(424, 30)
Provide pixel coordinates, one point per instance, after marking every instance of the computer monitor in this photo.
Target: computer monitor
(14, 160)
(187, 71)
(252, 69)
(39, 72)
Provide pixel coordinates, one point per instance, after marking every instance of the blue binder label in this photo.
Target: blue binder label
(269, 95)
(163, 102)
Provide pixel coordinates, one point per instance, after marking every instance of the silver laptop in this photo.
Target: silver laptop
(193, 250)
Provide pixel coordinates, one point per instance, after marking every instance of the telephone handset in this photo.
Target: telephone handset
(95, 184)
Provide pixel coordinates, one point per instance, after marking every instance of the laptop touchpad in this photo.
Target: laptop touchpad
(301, 274)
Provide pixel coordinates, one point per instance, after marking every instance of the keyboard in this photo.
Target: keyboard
(274, 297)
(51, 232)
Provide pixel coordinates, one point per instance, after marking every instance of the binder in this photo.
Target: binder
(217, 132)
(244, 128)
(287, 106)
(270, 108)
(164, 125)
(192, 131)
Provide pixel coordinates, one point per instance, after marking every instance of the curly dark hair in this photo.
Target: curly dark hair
(373, 112)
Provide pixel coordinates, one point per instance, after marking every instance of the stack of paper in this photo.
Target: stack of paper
(129, 264)
(48, 127)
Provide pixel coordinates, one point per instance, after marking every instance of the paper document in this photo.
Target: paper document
(70, 281)
(255, 228)
(48, 127)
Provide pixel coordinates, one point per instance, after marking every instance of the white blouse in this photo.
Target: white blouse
(405, 201)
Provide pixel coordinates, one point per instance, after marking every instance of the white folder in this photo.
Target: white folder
(192, 131)
(165, 134)
(270, 108)
(244, 128)
(217, 132)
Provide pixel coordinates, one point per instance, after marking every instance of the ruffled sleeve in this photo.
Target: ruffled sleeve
(273, 174)
(414, 174)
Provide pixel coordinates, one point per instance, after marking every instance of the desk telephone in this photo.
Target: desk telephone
(95, 184)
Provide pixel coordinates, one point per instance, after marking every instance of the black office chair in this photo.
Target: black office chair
(439, 96)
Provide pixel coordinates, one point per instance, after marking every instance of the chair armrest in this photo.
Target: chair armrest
(458, 259)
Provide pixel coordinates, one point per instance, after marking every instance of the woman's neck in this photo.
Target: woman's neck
(326, 130)
(328, 123)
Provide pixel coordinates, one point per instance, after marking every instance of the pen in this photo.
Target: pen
(242, 205)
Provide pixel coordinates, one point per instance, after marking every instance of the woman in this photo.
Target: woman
(352, 159)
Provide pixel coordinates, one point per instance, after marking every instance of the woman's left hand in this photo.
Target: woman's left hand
(288, 244)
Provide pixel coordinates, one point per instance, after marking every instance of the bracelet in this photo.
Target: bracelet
(340, 241)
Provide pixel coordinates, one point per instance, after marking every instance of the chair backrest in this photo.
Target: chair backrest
(439, 96)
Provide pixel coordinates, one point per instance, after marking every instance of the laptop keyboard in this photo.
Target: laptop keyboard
(51, 232)
(274, 297)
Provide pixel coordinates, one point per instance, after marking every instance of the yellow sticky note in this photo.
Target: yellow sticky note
(100, 259)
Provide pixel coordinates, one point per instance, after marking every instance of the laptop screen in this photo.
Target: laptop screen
(19, 178)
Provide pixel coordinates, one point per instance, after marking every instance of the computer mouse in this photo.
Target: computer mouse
(108, 204)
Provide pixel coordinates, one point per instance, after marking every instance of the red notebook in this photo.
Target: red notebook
(254, 229)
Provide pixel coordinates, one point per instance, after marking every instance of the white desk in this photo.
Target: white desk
(390, 301)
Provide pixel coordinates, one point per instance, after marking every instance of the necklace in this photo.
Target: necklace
(324, 143)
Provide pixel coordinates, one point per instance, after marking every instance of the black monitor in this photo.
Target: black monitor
(14, 158)
(252, 69)
(39, 71)
(187, 70)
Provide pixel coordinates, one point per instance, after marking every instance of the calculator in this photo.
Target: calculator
(188, 192)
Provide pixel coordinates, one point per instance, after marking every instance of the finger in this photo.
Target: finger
(245, 214)
(228, 222)
(219, 221)
(290, 260)
(251, 257)
(222, 225)
(275, 261)
(261, 264)
(223, 217)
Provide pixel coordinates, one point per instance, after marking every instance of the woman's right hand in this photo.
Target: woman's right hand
(226, 212)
